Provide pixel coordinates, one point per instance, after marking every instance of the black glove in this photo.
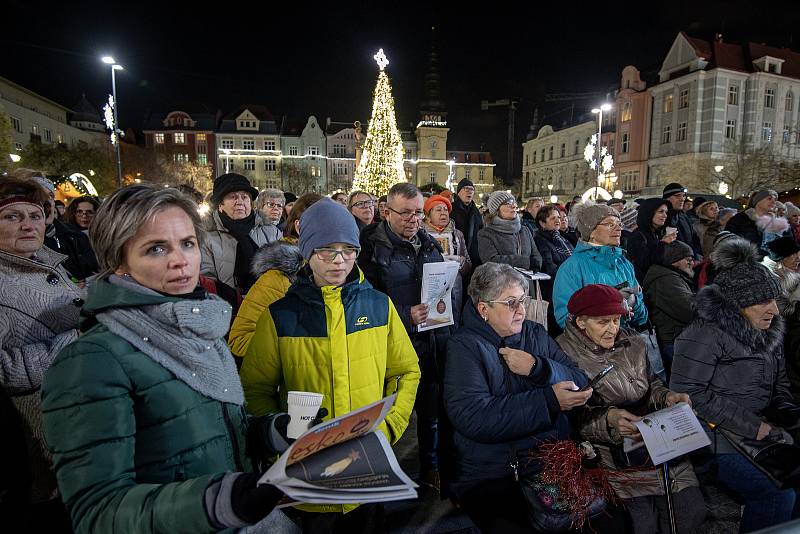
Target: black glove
(323, 412)
(252, 503)
(266, 436)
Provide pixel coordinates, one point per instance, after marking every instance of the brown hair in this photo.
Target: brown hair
(13, 186)
(544, 212)
(300, 205)
(69, 213)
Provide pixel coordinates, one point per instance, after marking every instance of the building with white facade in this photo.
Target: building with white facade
(304, 159)
(342, 146)
(248, 143)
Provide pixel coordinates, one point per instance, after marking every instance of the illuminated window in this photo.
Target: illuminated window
(626, 111)
(201, 137)
(159, 138)
(202, 159)
(667, 103)
(179, 138)
(181, 157)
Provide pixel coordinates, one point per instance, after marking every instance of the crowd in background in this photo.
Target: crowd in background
(147, 351)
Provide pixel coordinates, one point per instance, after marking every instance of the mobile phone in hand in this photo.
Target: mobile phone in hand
(598, 378)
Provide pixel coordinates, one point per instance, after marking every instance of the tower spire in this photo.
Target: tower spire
(432, 107)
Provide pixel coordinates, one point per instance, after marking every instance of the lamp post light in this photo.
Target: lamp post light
(599, 112)
(227, 153)
(722, 187)
(115, 136)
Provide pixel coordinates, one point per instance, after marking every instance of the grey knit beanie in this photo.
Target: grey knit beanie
(629, 215)
(740, 277)
(791, 210)
(676, 251)
(761, 195)
(324, 223)
(497, 199)
(590, 216)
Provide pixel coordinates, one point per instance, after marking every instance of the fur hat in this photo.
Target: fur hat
(740, 277)
(589, 216)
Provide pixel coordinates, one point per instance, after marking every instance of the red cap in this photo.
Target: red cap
(436, 199)
(596, 300)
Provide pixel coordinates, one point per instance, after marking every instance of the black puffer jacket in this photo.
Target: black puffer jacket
(644, 246)
(734, 373)
(65, 239)
(468, 219)
(669, 297)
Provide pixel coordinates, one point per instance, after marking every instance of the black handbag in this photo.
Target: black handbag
(778, 460)
(547, 512)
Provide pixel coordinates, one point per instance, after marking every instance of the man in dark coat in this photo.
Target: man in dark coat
(677, 218)
(392, 256)
(744, 224)
(467, 218)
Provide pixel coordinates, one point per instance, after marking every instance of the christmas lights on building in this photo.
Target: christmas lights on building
(381, 164)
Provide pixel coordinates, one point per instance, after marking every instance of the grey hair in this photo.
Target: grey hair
(127, 210)
(403, 189)
(353, 195)
(490, 279)
(270, 192)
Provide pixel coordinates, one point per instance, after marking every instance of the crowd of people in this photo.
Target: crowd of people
(147, 351)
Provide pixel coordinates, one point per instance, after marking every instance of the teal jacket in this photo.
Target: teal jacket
(594, 265)
(134, 448)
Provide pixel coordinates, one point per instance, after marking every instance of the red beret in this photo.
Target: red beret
(436, 199)
(596, 300)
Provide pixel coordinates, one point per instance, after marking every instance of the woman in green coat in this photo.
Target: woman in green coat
(143, 412)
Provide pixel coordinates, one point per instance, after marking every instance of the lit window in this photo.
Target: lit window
(159, 138)
(667, 103)
(201, 137)
(202, 159)
(733, 95)
(249, 164)
(181, 157)
(60, 138)
(248, 144)
(681, 133)
(35, 129)
(730, 129)
(769, 98)
(626, 112)
(666, 135)
(179, 138)
(683, 99)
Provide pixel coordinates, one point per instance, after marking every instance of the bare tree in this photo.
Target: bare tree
(297, 179)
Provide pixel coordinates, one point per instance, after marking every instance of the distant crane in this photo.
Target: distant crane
(511, 105)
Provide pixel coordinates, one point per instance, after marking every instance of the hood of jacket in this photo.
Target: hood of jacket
(648, 208)
(280, 255)
(713, 309)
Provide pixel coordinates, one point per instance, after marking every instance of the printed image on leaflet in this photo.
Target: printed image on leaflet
(359, 464)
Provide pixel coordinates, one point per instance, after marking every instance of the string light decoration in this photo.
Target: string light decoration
(381, 164)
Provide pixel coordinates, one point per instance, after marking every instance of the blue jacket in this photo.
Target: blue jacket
(495, 413)
(594, 265)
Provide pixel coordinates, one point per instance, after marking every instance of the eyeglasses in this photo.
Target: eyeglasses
(328, 255)
(363, 204)
(513, 303)
(408, 215)
(611, 225)
(512, 205)
(273, 205)
(468, 189)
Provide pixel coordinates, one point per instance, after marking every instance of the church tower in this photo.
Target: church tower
(432, 128)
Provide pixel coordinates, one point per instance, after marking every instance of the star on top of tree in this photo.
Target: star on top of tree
(380, 57)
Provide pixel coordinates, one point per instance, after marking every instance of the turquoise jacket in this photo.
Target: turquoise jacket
(594, 265)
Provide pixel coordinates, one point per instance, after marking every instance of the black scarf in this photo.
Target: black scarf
(245, 248)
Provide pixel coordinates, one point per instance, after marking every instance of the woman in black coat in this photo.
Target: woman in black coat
(646, 244)
(551, 244)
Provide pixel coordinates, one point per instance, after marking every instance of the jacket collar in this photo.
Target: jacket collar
(474, 322)
(307, 289)
(579, 339)
(44, 258)
(381, 235)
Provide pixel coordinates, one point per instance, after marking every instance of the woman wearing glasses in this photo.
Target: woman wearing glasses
(503, 239)
(332, 334)
(507, 385)
(362, 206)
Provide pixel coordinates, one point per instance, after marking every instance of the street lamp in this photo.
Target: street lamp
(227, 153)
(599, 112)
(115, 136)
(722, 187)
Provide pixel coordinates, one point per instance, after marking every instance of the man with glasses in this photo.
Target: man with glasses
(677, 218)
(468, 219)
(392, 255)
(331, 334)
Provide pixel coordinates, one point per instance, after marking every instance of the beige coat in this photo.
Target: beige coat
(628, 382)
(39, 318)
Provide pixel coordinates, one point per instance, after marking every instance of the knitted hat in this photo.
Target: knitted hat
(791, 210)
(464, 183)
(781, 248)
(44, 182)
(740, 278)
(326, 222)
(612, 201)
(289, 197)
(761, 195)
(722, 236)
(228, 183)
(698, 201)
(673, 188)
(628, 215)
(447, 194)
(596, 300)
(590, 216)
(675, 251)
(497, 199)
(436, 199)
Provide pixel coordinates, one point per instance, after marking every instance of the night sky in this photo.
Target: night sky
(318, 59)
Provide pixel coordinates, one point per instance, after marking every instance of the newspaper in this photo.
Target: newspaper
(438, 279)
(672, 432)
(344, 460)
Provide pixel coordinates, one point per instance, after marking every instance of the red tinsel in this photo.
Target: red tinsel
(579, 485)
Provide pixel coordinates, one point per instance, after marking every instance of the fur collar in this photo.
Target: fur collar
(279, 255)
(713, 309)
(788, 300)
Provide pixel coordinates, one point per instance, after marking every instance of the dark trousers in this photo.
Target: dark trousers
(649, 515)
(366, 519)
(427, 408)
(667, 351)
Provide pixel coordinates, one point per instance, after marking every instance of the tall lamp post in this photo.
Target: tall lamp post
(599, 112)
(115, 135)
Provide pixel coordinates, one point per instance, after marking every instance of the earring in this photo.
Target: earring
(485, 318)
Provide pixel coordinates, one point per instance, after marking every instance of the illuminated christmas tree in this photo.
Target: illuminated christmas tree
(381, 164)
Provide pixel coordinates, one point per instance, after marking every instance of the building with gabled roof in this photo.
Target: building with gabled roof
(248, 142)
(185, 133)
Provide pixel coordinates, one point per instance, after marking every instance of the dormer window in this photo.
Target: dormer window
(769, 64)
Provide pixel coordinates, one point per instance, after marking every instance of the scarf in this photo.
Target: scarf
(505, 226)
(185, 336)
(245, 248)
(555, 237)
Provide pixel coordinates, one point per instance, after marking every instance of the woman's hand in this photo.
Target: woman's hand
(763, 431)
(568, 395)
(520, 362)
(622, 421)
(669, 238)
(674, 398)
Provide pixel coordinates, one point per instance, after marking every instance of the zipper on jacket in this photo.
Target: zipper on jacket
(234, 439)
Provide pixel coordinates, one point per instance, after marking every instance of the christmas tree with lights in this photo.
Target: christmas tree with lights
(381, 164)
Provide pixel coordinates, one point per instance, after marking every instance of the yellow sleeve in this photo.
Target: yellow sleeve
(261, 371)
(402, 375)
(270, 287)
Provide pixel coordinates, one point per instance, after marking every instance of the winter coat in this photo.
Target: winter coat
(551, 251)
(65, 239)
(591, 264)
(734, 373)
(517, 250)
(789, 305)
(630, 383)
(347, 343)
(219, 247)
(275, 265)
(669, 297)
(135, 447)
(644, 246)
(468, 219)
(744, 225)
(39, 318)
(706, 231)
(529, 222)
(496, 414)
(393, 266)
(678, 219)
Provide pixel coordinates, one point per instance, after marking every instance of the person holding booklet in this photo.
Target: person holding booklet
(593, 339)
(332, 334)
